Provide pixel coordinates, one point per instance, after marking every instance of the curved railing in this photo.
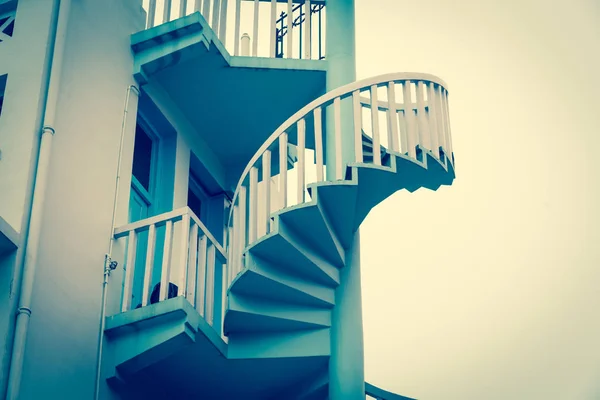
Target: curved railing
(411, 108)
(373, 392)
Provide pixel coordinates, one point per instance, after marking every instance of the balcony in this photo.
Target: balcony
(195, 73)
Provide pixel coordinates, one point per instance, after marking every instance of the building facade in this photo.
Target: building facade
(181, 189)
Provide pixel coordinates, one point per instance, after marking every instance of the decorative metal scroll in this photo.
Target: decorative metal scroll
(298, 22)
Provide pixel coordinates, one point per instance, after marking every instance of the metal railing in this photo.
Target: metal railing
(404, 114)
(290, 26)
(373, 392)
(188, 257)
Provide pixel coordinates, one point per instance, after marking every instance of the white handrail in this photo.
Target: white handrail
(420, 121)
(187, 242)
(283, 14)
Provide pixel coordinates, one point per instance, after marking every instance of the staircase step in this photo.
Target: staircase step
(283, 248)
(248, 314)
(306, 343)
(268, 280)
(308, 221)
(337, 201)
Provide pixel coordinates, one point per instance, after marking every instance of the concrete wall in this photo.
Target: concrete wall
(97, 69)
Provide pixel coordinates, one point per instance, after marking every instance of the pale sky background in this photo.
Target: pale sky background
(490, 288)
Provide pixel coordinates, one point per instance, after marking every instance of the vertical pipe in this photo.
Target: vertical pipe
(53, 67)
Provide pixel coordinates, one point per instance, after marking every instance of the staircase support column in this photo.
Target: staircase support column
(347, 363)
(341, 59)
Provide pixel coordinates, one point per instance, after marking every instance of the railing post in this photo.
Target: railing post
(245, 40)
(215, 16)
(433, 119)
(255, 29)
(307, 40)
(223, 23)
(236, 35)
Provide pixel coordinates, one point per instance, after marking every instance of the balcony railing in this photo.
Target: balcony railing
(276, 28)
(404, 114)
(185, 256)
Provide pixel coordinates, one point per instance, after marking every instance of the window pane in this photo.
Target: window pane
(142, 157)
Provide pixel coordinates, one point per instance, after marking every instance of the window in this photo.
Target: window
(2, 89)
(196, 196)
(142, 158)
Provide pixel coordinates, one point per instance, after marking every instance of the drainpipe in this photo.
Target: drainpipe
(56, 42)
(109, 264)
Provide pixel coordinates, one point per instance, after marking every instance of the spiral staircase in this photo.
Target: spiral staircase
(289, 230)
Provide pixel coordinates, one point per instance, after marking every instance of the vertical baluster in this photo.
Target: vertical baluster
(230, 252)
(255, 30)
(448, 147)
(192, 265)
(440, 115)
(307, 41)
(449, 136)
(206, 10)
(290, 30)
(266, 165)
(375, 126)
(151, 13)
(319, 142)
(283, 163)
(215, 16)
(201, 277)
(183, 254)
(408, 116)
(444, 135)
(252, 223)
(182, 8)
(129, 271)
(433, 119)
(337, 112)
(391, 114)
(241, 236)
(358, 140)
(210, 283)
(273, 28)
(238, 11)
(235, 254)
(301, 159)
(421, 120)
(167, 11)
(403, 132)
(224, 287)
(165, 274)
(149, 265)
(197, 5)
(223, 22)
